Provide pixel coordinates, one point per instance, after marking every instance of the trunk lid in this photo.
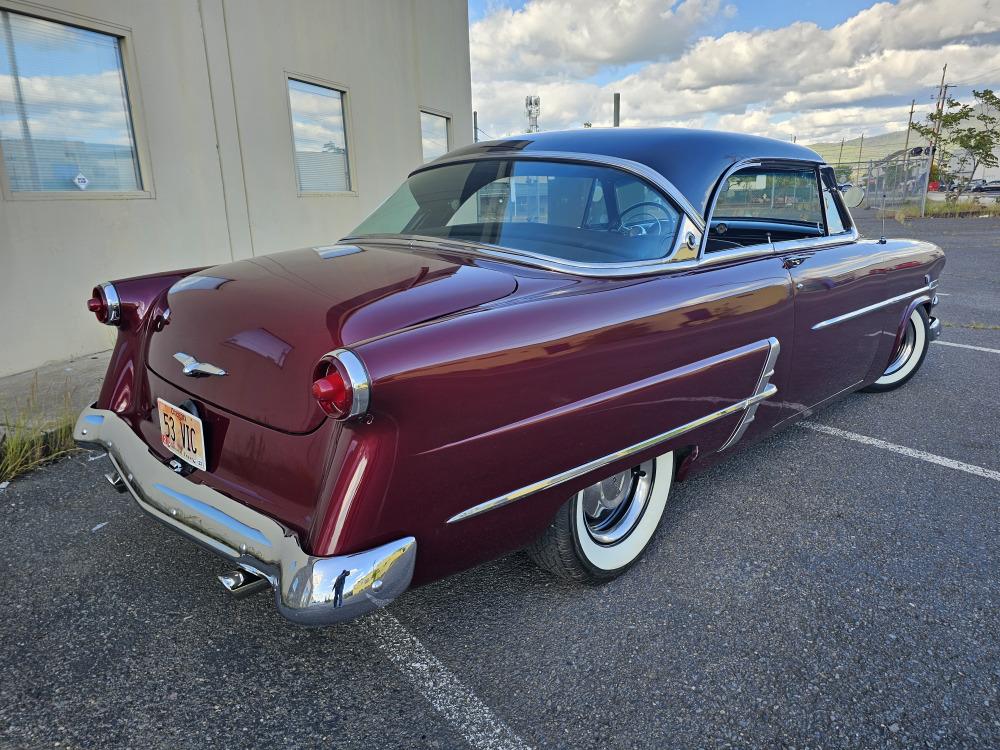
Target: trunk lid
(267, 321)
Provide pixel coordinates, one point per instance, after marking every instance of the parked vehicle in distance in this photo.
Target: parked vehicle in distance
(993, 186)
(525, 346)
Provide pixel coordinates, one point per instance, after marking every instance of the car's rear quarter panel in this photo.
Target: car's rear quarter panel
(473, 407)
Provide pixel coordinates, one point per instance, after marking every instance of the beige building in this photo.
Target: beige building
(146, 135)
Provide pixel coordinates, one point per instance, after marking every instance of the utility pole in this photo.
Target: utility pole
(618, 108)
(906, 152)
(909, 124)
(840, 158)
(942, 89)
(475, 126)
(942, 94)
(860, 146)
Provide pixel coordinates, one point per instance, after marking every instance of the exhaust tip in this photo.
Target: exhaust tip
(116, 481)
(241, 583)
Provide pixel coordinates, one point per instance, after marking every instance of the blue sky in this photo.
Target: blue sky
(751, 14)
(810, 69)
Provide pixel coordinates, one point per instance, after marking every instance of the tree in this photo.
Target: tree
(968, 137)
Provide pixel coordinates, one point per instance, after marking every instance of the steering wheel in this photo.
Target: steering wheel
(645, 222)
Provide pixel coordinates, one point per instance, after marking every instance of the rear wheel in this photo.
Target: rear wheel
(601, 531)
(908, 357)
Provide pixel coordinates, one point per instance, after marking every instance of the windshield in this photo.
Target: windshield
(574, 212)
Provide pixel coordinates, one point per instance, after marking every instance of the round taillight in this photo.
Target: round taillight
(333, 394)
(97, 306)
(342, 386)
(105, 305)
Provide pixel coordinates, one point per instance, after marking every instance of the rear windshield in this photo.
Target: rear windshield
(574, 212)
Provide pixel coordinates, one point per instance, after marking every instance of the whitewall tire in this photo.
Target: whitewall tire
(601, 531)
(909, 356)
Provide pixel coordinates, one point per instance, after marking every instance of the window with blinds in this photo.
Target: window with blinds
(320, 137)
(65, 123)
(433, 135)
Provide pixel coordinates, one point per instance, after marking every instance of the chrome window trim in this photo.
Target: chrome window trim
(773, 248)
(626, 165)
(871, 308)
(618, 270)
(497, 252)
(816, 243)
(734, 167)
(764, 390)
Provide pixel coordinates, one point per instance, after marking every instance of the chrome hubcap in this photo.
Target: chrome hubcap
(613, 506)
(905, 349)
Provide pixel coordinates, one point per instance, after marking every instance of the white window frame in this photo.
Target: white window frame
(133, 101)
(345, 94)
(438, 113)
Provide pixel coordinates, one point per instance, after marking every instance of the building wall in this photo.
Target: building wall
(210, 104)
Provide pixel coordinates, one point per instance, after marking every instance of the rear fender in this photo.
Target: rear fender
(142, 302)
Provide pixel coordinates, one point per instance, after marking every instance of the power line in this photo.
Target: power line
(981, 75)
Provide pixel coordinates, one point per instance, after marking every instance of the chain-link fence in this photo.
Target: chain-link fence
(897, 181)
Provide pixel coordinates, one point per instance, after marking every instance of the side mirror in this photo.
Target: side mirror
(854, 196)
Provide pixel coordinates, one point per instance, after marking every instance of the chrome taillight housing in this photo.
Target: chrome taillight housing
(105, 304)
(342, 387)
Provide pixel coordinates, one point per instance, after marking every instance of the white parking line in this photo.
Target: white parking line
(472, 718)
(951, 463)
(967, 346)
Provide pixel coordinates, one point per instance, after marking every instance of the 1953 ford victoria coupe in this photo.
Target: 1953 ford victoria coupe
(524, 346)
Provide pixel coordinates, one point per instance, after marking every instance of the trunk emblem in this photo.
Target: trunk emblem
(195, 369)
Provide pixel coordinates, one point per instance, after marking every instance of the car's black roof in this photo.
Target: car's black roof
(693, 160)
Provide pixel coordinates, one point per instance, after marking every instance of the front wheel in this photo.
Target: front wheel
(602, 530)
(909, 356)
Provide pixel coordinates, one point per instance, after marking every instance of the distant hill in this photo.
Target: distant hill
(874, 147)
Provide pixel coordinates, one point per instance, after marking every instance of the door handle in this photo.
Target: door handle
(793, 261)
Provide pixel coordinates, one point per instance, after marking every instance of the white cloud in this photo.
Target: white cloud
(798, 80)
(555, 38)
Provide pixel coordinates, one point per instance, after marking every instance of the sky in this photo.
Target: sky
(812, 70)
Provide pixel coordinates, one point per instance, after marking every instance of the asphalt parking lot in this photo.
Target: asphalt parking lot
(813, 591)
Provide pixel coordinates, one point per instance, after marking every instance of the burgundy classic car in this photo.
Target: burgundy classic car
(524, 346)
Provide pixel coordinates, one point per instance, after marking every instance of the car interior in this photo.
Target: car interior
(768, 204)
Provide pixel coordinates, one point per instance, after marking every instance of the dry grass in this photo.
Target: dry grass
(942, 209)
(29, 439)
(974, 325)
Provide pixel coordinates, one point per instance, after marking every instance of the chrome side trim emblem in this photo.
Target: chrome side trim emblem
(878, 305)
(195, 369)
(764, 390)
(762, 384)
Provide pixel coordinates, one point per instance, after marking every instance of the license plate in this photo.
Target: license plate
(182, 434)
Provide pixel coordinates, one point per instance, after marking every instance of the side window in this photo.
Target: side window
(838, 219)
(763, 205)
(834, 221)
(783, 195)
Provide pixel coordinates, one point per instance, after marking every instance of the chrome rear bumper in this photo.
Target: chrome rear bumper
(934, 328)
(307, 590)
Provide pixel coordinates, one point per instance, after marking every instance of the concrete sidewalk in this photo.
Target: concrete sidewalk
(45, 397)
